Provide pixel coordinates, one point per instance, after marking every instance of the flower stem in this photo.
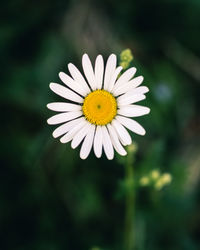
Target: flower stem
(129, 238)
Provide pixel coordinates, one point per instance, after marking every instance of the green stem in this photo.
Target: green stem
(130, 202)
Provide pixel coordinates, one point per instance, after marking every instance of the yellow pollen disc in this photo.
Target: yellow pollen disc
(99, 107)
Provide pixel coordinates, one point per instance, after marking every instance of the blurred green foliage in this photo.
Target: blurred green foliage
(49, 198)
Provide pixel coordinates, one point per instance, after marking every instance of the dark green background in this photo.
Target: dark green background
(49, 198)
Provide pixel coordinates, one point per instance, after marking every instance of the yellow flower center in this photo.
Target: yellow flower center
(99, 107)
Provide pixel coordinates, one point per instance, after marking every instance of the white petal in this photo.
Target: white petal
(88, 70)
(99, 67)
(67, 127)
(107, 144)
(98, 140)
(125, 77)
(63, 106)
(127, 99)
(115, 141)
(140, 90)
(133, 110)
(69, 136)
(137, 91)
(77, 87)
(87, 143)
(78, 77)
(137, 81)
(110, 69)
(64, 117)
(122, 133)
(131, 125)
(114, 77)
(128, 86)
(80, 135)
(65, 92)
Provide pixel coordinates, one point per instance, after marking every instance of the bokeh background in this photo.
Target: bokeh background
(49, 198)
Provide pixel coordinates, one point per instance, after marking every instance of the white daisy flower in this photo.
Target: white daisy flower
(98, 111)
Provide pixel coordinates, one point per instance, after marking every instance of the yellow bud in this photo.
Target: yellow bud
(144, 181)
(155, 174)
(166, 178)
(159, 184)
(132, 148)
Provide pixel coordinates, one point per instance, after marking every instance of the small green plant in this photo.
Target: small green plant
(126, 57)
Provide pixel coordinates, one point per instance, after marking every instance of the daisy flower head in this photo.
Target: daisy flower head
(99, 107)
